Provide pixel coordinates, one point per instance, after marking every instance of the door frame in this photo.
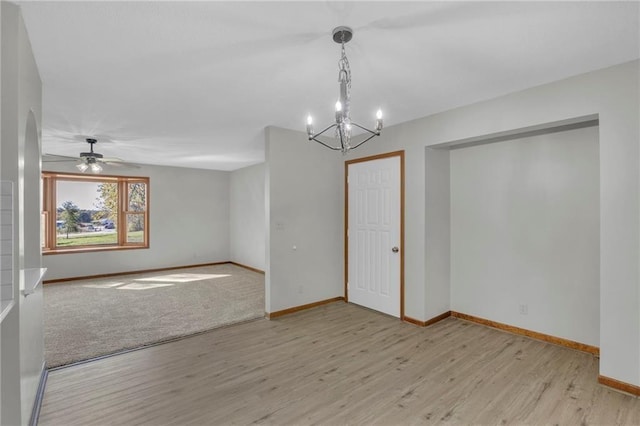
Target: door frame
(346, 220)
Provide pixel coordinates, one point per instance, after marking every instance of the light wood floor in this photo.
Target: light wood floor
(339, 364)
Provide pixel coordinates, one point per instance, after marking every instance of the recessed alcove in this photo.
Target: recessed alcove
(512, 227)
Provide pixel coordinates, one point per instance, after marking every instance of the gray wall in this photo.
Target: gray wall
(304, 210)
(247, 216)
(189, 224)
(437, 241)
(525, 230)
(611, 94)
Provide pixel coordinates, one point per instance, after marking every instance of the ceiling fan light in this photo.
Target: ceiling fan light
(96, 168)
(82, 167)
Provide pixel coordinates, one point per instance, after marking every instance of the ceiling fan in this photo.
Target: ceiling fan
(89, 160)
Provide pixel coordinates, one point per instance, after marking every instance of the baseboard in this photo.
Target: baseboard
(35, 411)
(260, 271)
(529, 333)
(619, 386)
(429, 321)
(276, 314)
(140, 271)
(414, 321)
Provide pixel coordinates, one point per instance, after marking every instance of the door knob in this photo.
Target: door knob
(395, 249)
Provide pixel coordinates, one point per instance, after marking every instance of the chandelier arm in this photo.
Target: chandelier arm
(322, 143)
(318, 134)
(365, 129)
(313, 138)
(370, 137)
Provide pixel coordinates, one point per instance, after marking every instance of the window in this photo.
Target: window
(82, 213)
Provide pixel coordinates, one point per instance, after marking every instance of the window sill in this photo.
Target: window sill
(91, 249)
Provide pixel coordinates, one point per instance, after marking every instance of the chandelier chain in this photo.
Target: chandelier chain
(343, 63)
(343, 130)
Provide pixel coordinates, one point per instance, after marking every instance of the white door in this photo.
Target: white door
(373, 234)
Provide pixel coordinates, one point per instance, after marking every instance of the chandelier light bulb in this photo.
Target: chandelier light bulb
(82, 167)
(309, 126)
(339, 117)
(379, 121)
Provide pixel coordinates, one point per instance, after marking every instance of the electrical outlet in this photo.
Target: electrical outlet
(300, 289)
(524, 309)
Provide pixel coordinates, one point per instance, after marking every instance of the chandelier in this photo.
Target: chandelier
(343, 125)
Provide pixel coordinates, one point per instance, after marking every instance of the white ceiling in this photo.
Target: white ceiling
(193, 84)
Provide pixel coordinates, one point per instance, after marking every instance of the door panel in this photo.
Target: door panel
(373, 231)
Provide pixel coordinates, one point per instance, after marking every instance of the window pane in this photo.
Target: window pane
(94, 212)
(135, 228)
(137, 197)
(86, 213)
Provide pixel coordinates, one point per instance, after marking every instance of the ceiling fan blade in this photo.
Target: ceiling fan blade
(435, 14)
(54, 158)
(121, 165)
(57, 161)
(87, 157)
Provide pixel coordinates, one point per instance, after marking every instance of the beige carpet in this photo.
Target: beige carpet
(90, 318)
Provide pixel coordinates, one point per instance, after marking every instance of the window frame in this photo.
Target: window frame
(49, 212)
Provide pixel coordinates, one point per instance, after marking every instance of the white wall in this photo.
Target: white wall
(189, 224)
(305, 202)
(247, 216)
(525, 230)
(613, 95)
